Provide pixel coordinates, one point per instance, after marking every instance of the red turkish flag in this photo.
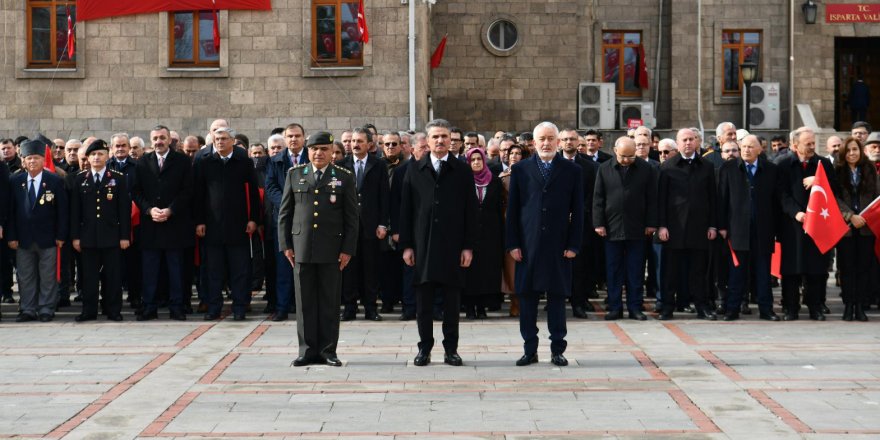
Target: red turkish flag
(216, 28)
(71, 48)
(823, 221)
(437, 56)
(871, 214)
(362, 23)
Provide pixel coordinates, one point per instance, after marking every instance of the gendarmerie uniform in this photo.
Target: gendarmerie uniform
(100, 217)
(318, 219)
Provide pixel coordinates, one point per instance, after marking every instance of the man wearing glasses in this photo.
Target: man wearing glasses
(625, 214)
(456, 139)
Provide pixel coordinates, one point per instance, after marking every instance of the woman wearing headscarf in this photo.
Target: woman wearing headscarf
(481, 280)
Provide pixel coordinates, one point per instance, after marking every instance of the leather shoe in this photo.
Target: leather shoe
(407, 316)
(24, 317)
(212, 316)
(372, 316)
(859, 313)
(613, 316)
(422, 358)
(116, 317)
(707, 314)
(333, 361)
(745, 310)
(589, 307)
(721, 310)
(665, 315)
(579, 312)
(825, 309)
(790, 316)
(527, 359)
(82, 317)
(147, 316)
(177, 316)
(687, 309)
(848, 311)
(302, 361)
(559, 360)
(238, 317)
(452, 359)
(637, 315)
(732, 316)
(769, 316)
(45, 317)
(817, 315)
(281, 316)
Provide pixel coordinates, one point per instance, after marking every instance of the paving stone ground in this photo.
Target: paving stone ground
(685, 378)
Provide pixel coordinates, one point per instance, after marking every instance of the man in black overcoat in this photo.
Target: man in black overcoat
(438, 231)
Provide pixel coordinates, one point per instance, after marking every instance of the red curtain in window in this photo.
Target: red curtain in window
(94, 9)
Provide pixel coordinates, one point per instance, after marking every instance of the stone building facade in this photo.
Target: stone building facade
(123, 82)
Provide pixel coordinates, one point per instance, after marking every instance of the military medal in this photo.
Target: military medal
(332, 198)
(48, 196)
(41, 200)
(109, 196)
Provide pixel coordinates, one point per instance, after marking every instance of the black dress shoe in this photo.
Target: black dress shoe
(147, 316)
(407, 316)
(452, 359)
(579, 312)
(24, 317)
(302, 361)
(687, 309)
(559, 360)
(817, 315)
(82, 317)
(481, 313)
(848, 310)
(333, 361)
(589, 307)
(614, 316)
(281, 316)
(790, 316)
(372, 316)
(422, 358)
(721, 310)
(665, 315)
(637, 315)
(187, 309)
(745, 310)
(45, 317)
(116, 317)
(859, 313)
(177, 316)
(238, 317)
(731, 316)
(769, 316)
(825, 309)
(527, 359)
(707, 314)
(212, 316)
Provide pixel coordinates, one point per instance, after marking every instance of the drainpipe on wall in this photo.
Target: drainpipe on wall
(657, 64)
(791, 107)
(700, 67)
(412, 64)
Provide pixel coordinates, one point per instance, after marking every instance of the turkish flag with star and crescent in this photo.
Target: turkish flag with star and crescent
(823, 221)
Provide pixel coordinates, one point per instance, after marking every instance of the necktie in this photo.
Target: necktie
(690, 161)
(751, 169)
(294, 159)
(161, 162)
(97, 180)
(32, 194)
(359, 173)
(225, 159)
(804, 164)
(438, 164)
(318, 175)
(545, 170)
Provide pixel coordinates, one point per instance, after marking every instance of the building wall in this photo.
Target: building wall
(122, 82)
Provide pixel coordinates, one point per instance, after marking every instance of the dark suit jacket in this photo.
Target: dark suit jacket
(601, 157)
(4, 194)
(740, 204)
(544, 219)
(687, 202)
(438, 218)
(100, 217)
(171, 188)
(47, 221)
(625, 207)
(227, 197)
(396, 190)
(589, 169)
(373, 195)
(276, 173)
(860, 196)
(318, 239)
(128, 169)
(495, 166)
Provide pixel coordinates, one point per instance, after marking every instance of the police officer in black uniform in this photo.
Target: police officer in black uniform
(100, 226)
(318, 232)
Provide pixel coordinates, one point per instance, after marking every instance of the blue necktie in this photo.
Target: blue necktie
(32, 194)
(545, 170)
(751, 169)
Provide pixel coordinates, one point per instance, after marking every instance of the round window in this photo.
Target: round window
(502, 35)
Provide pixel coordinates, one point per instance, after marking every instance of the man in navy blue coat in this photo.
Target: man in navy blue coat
(276, 172)
(544, 233)
(37, 227)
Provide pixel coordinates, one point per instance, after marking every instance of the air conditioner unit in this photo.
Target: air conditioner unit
(596, 105)
(764, 105)
(643, 110)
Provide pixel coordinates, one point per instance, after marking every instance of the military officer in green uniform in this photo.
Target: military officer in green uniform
(317, 232)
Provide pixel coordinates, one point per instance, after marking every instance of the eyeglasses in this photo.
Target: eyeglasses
(570, 139)
(664, 152)
(391, 144)
(454, 140)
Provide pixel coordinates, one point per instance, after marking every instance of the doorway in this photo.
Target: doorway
(854, 59)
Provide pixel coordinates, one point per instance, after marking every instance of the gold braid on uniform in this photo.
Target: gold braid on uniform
(341, 168)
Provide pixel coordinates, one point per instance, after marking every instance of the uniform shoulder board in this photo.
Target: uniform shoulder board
(708, 153)
(82, 171)
(341, 168)
(116, 172)
(302, 165)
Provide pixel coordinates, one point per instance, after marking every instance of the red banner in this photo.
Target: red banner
(852, 13)
(95, 9)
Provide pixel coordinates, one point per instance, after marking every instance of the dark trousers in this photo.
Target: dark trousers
(753, 270)
(105, 265)
(583, 279)
(360, 279)
(408, 294)
(854, 257)
(657, 252)
(7, 262)
(814, 288)
(625, 263)
(425, 294)
(132, 277)
(151, 261)
(317, 308)
(284, 286)
(528, 321)
(696, 260)
(719, 271)
(391, 276)
(651, 284)
(234, 262)
(188, 270)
